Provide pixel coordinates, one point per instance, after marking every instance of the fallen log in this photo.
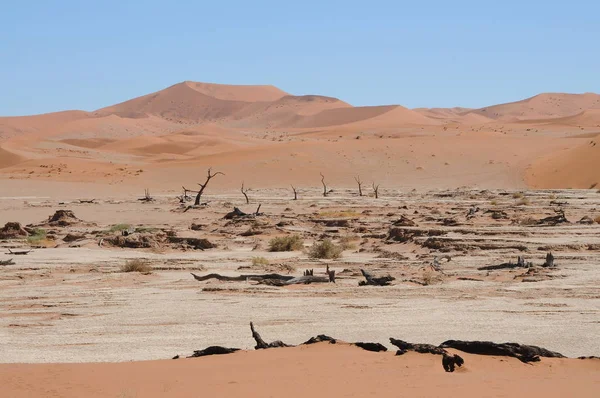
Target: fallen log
(320, 338)
(371, 280)
(420, 348)
(7, 262)
(213, 350)
(261, 344)
(519, 264)
(524, 353)
(19, 253)
(242, 278)
(374, 347)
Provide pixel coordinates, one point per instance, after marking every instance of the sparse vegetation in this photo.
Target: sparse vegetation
(348, 243)
(494, 202)
(259, 262)
(286, 243)
(427, 277)
(528, 221)
(37, 237)
(136, 265)
(119, 227)
(325, 249)
(518, 195)
(522, 202)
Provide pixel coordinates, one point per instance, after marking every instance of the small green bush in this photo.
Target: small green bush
(37, 236)
(119, 227)
(286, 243)
(325, 250)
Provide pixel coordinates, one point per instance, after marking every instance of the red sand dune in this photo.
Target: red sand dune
(319, 370)
(572, 168)
(542, 106)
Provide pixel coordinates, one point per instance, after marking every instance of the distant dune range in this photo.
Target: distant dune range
(270, 138)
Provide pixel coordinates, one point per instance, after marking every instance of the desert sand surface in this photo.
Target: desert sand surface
(318, 370)
(461, 195)
(264, 135)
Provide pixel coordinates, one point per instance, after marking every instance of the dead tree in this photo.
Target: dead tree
(376, 190)
(19, 253)
(524, 353)
(92, 201)
(549, 261)
(7, 262)
(375, 281)
(209, 176)
(359, 182)
(147, 197)
(295, 192)
(245, 193)
(261, 344)
(324, 185)
(213, 350)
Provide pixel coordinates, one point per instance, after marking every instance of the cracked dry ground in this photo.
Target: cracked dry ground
(68, 301)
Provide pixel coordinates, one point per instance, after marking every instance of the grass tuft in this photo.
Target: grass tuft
(136, 265)
(286, 243)
(325, 249)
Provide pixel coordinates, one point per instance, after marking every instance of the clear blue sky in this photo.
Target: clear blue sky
(67, 54)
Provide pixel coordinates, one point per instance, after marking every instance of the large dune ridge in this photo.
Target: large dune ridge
(192, 125)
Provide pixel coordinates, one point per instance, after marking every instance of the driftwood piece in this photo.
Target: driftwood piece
(19, 253)
(213, 350)
(549, 261)
(7, 262)
(420, 348)
(261, 344)
(519, 264)
(371, 280)
(295, 192)
(524, 353)
(375, 347)
(242, 278)
(90, 201)
(320, 338)
(449, 361)
(245, 193)
(236, 213)
(551, 221)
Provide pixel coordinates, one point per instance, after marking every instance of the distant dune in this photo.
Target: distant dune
(260, 128)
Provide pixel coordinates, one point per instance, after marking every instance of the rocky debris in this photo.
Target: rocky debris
(196, 227)
(408, 234)
(13, 230)
(63, 218)
(72, 237)
(404, 221)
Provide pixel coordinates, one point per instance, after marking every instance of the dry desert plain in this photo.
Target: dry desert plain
(462, 194)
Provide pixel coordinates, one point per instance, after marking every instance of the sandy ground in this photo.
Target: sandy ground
(70, 303)
(320, 370)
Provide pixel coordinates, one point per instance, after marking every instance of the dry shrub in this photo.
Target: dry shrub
(136, 265)
(528, 221)
(259, 261)
(427, 277)
(325, 249)
(522, 202)
(286, 243)
(119, 227)
(597, 220)
(348, 243)
(494, 203)
(518, 195)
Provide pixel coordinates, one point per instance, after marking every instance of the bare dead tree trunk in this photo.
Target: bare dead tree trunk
(245, 193)
(376, 190)
(324, 185)
(210, 175)
(295, 192)
(359, 182)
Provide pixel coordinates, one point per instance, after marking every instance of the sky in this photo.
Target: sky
(66, 54)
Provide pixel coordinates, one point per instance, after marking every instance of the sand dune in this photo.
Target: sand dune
(8, 159)
(572, 168)
(238, 92)
(317, 370)
(543, 106)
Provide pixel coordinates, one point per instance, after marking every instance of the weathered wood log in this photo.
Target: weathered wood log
(375, 281)
(524, 353)
(320, 338)
(213, 350)
(87, 201)
(449, 361)
(549, 261)
(551, 221)
(420, 348)
(19, 253)
(261, 344)
(519, 264)
(307, 279)
(7, 262)
(295, 192)
(375, 347)
(359, 182)
(242, 278)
